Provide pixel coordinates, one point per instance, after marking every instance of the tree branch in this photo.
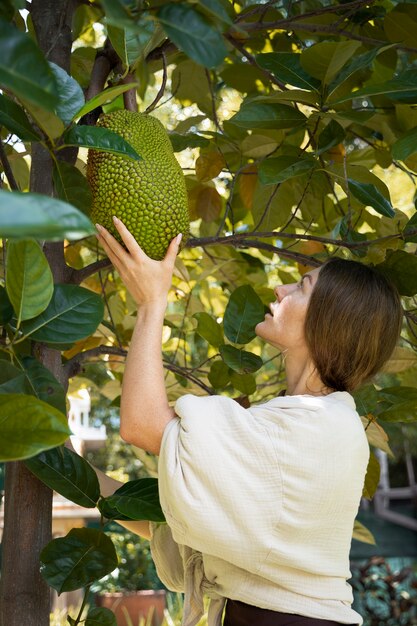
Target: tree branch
(161, 90)
(76, 277)
(74, 365)
(7, 169)
(251, 59)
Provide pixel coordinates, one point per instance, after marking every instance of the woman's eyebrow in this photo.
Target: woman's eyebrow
(307, 276)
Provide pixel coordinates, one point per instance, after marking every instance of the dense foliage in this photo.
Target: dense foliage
(295, 123)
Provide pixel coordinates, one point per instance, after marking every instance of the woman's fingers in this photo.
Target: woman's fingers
(171, 253)
(112, 248)
(128, 239)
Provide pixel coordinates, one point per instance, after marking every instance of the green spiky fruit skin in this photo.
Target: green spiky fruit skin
(149, 195)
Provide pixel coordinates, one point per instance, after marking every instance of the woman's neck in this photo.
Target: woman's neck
(302, 377)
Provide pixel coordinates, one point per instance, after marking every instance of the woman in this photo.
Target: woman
(260, 502)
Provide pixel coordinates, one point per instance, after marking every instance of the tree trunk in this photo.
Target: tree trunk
(24, 596)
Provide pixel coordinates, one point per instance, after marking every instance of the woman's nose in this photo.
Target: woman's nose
(278, 292)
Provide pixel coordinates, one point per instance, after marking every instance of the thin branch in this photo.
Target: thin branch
(163, 84)
(76, 277)
(165, 48)
(335, 9)
(129, 97)
(213, 101)
(73, 366)
(7, 169)
(251, 59)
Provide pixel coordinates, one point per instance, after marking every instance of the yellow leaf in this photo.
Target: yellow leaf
(375, 434)
(361, 533)
(208, 204)
(401, 359)
(373, 472)
(209, 165)
(247, 184)
(83, 344)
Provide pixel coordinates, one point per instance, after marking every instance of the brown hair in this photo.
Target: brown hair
(352, 324)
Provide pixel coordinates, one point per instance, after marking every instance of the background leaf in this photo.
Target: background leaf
(209, 329)
(43, 384)
(29, 426)
(287, 68)
(105, 97)
(277, 169)
(100, 139)
(13, 117)
(401, 268)
(239, 360)
(76, 560)
(67, 473)
(71, 186)
(73, 313)
(24, 70)
(34, 215)
(192, 33)
(136, 500)
(369, 195)
(29, 281)
(71, 96)
(100, 616)
(264, 115)
(244, 310)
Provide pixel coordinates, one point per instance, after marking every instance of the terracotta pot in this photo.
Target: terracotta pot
(135, 604)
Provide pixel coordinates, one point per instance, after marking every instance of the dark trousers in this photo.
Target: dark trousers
(241, 614)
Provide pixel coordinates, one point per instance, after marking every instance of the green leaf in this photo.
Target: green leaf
(43, 384)
(209, 329)
(330, 136)
(401, 268)
(131, 43)
(24, 70)
(397, 404)
(358, 62)
(401, 87)
(264, 115)
(100, 616)
(240, 360)
(100, 139)
(34, 215)
(71, 96)
(277, 169)
(67, 473)
(243, 312)
(401, 28)
(369, 195)
(13, 379)
(6, 309)
(73, 313)
(13, 117)
(192, 32)
(71, 186)
(78, 559)
(216, 9)
(372, 477)
(135, 500)
(287, 68)
(409, 228)
(246, 383)
(189, 140)
(29, 426)
(219, 375)
(325, 59)
(405, 145)
(29, 281)
(105, 97)
(118, 13)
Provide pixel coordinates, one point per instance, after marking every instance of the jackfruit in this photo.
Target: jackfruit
(149, 195)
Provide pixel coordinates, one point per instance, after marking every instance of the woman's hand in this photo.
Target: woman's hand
(148, 281)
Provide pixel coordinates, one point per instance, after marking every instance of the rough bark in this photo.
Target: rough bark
(25, 597)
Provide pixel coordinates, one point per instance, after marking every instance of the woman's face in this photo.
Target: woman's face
(283, 327)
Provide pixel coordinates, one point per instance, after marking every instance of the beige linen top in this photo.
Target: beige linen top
(260, 504)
